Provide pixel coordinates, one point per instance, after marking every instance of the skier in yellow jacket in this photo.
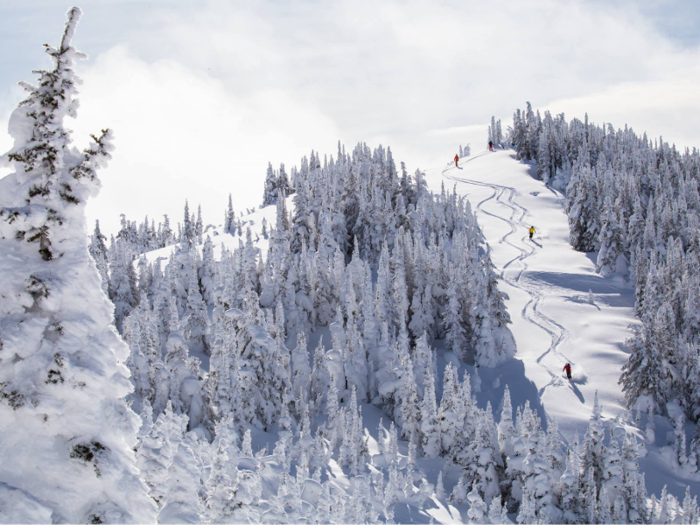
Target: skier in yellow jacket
(532, 231)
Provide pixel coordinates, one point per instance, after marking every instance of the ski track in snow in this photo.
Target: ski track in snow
(593, 331)
(504, 195)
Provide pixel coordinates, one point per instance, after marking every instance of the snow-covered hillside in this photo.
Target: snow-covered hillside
(562, 310)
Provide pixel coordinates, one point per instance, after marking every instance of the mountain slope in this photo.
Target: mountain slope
(562, 310)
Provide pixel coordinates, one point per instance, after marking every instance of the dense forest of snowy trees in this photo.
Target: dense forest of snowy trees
(262, 377)
(369, 259)
(250, 371)
(635, 202)
(363, 280)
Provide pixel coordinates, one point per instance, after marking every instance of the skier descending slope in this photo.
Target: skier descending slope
(567, 369)
(456, 161)
(550, 330)
(531, 231)
(66, 446)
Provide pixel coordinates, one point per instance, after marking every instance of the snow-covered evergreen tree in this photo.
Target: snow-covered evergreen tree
(62, 381)
(181, 502)
(580, 207)
(430, 428)
(270, 193)
(593, 455)
(99, 253)
(611, 256)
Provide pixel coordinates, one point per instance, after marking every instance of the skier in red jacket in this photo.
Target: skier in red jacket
(456, 161)
(567, 369)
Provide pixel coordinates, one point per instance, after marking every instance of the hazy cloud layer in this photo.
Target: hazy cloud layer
(202, 98)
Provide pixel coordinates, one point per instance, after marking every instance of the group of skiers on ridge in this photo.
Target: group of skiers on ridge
(457, 155)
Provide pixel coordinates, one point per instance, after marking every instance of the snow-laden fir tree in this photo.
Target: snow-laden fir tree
(270, 193)
(580, 207)
(611, 256)
(62, 381)
(99, 254)
(430, 427)
(181, 500)
(593, 456)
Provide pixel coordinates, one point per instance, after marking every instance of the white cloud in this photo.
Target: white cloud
(416, 65)
(182, 135)
(458, 130)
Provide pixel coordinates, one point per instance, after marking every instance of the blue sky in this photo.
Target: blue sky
(211, 92)
(678, 20)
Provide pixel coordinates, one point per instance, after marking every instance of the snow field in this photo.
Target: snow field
(562, 311)
(547, 282)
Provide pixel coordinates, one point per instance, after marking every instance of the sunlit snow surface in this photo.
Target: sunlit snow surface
(562, 311)
(548, 284)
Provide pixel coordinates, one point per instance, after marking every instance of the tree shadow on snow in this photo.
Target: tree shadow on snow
(616, 300)
(493, 384)
(404, 513)
(531, 165)
(576, 282)
(591, 256)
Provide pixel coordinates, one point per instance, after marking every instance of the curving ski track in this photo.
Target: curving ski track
(504, 195)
